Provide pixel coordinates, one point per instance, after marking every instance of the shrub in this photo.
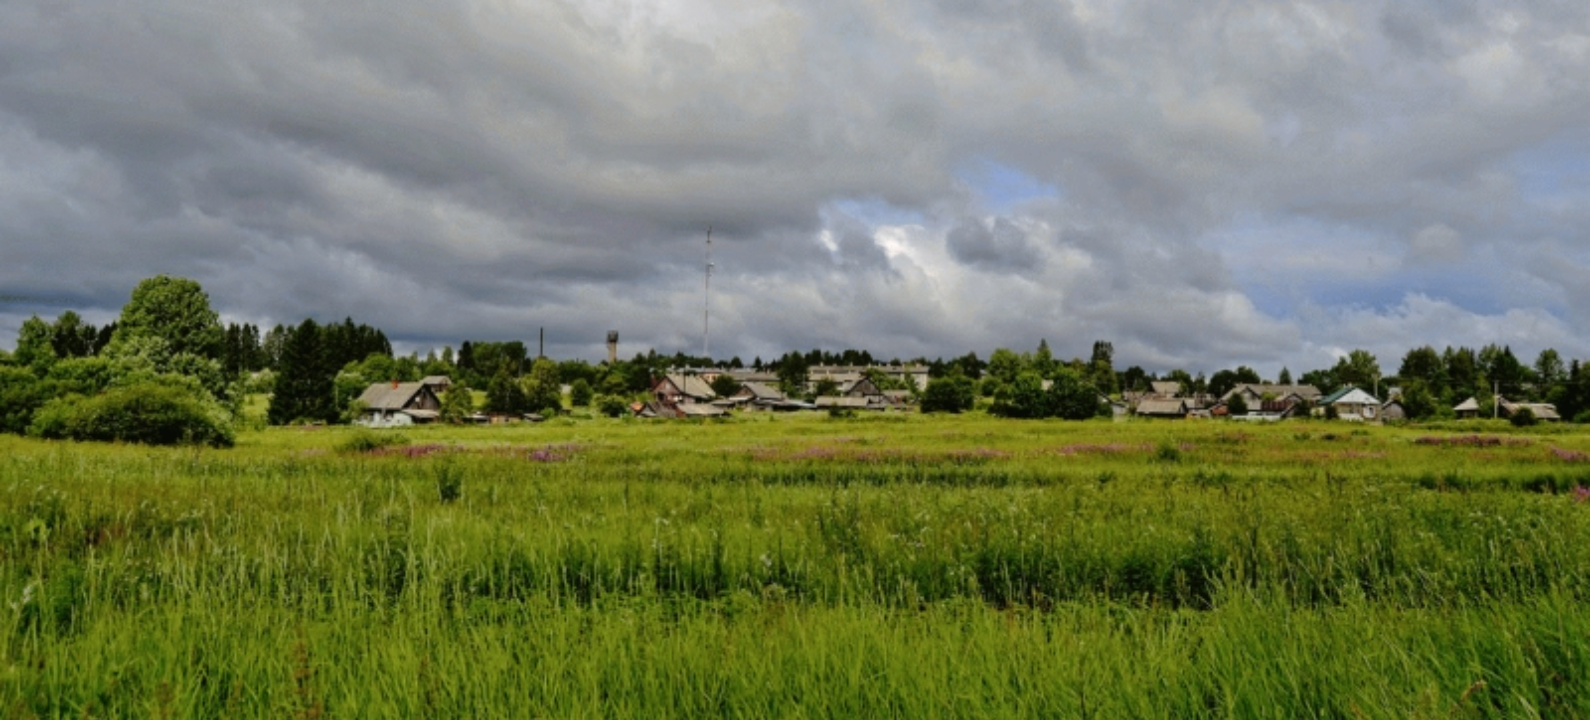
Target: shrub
(953, 393)
(367, 440)
(611, 405)
(1522, 417)
(145, 413)
(580, 394)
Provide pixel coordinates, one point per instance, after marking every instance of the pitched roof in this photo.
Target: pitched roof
(390, 396)
(436, 380)
(1307, 392)
(692, 385)
(1469, 405)
(760, 391)
(1342, 394)
(1166, 387)
(1156, 406)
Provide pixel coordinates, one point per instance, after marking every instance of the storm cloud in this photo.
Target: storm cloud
(1250, 182)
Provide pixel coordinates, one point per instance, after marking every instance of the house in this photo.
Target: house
(680, 389)
(1165, 388)
(757, 395)
(1254, 393)
(437, 383)
(390, 404)
(1468, 409)
(1163, 408)
(1351, 403)
(1545, 412)
(1393, 410)
(861, 388)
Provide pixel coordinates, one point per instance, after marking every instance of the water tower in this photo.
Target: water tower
(612, 347)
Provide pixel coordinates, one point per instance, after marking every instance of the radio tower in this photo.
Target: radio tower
(706, 312)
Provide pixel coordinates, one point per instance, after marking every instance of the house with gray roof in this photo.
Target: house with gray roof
(391, 404)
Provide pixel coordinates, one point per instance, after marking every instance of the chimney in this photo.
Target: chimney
(394, 383)
(612, 347)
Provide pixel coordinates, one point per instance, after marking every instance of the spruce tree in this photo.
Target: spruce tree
(305, 384)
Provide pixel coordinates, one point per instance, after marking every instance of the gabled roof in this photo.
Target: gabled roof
(441, 380)
(390, 396)
(760, 391)
(1306, 392)
(1168, 388)
(1174, 406)
(1469, 405)
(692, 385)
(1346, 394)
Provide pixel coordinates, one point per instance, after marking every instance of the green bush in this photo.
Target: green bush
(1523, 417)
(610, 405)
(146, 413)
(364, 440)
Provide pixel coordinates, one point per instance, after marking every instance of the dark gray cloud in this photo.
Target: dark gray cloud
(1248, 182)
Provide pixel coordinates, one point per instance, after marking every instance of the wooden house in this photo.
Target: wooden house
(390, 404)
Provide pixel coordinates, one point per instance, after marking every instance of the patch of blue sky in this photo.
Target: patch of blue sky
(1003, 187)
(1285, 264)
(1556, 169)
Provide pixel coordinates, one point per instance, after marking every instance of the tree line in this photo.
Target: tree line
(168, 351)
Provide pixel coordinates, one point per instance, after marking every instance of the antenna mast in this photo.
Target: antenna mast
(706, 312)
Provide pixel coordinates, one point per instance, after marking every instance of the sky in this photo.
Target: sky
(1202, 184)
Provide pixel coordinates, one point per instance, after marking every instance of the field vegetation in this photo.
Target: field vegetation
(904, 566)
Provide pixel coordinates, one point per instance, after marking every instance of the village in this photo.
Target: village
(695, 393)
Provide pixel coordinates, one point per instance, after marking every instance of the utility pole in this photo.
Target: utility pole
(706, 312)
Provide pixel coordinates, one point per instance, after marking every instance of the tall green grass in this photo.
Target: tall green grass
(805, 567)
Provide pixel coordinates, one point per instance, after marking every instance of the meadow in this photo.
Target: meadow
(889, 566)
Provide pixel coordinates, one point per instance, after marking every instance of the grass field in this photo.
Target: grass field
(896, 566)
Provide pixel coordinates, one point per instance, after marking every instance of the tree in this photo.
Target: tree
(1236, 405)
(1417, 400)
(1022, 398)
(725, 385)
(175, 310)
(504, 394)
(1004, 364)
(1357, 368)
(1071, 396)
(1285, 378)
(1424, 365)
(21, 393)
(1463, 374)
(305, 386)
(35, 349)
(71, 337)
(826, 387)
(580, 393)
(952, 393)
(542, 391)
(1043, 361)
(458, 403)
(792, 374)
(1549, 370)
(1101, 367)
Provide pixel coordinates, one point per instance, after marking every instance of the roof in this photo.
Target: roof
(1307, 392)
(1346, 394)
(1543, 411)
(1169, 388)
(436, 380)
(1156, 406)
(761, 391)
(692, 385)
(1468, 405)
(390, 396)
